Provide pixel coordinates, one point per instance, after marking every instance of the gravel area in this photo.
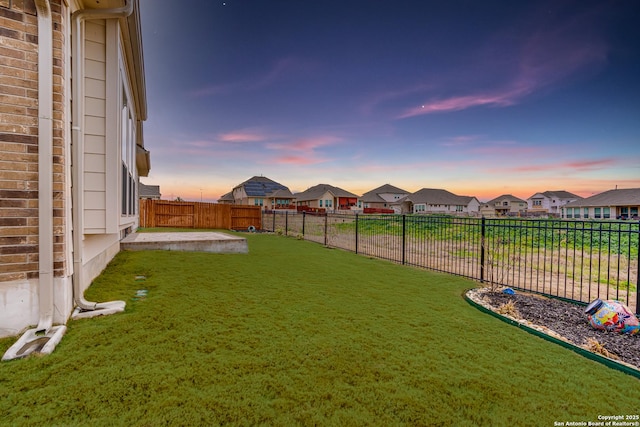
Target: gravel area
(565, 319)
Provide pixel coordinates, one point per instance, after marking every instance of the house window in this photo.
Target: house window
(606, 213)
(320, 203)
(258, 202)
(537, 203)
(596, 213)
(586, 213)
(328, 203)
(419, 208)
(576, 212)
(127, 154)
(505, 203)
(569, 213)
(459, 208)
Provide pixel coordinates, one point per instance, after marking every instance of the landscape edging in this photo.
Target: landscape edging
(583, 352)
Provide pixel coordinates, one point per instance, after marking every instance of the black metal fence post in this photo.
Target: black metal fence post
(356, 233)
(304, 216)
(404, 238)
(273, 227)
(286, 222)
(326, 216)
(482, 224)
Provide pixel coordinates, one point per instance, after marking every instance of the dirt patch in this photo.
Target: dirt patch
(564, 320)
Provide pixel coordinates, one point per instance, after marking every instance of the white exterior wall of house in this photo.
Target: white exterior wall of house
(555, 205)
(472, 207)
(109, 140)
(589, 212)
(326, 201)
(19, 304)
(95, 126)
(598, 212)
(239, 196)
(320, 202)
(539, 202)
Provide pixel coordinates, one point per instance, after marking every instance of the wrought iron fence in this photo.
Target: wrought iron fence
(570, 259)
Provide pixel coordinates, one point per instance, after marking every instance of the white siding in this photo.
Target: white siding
(95, 94)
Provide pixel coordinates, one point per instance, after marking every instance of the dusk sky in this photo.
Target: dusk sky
(481, 98)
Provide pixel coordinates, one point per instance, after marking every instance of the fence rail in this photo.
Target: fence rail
(570, 259)
(165, 213)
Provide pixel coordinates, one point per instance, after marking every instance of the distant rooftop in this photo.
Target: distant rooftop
(261, 186)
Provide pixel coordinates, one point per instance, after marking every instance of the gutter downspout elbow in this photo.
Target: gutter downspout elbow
(77, 141)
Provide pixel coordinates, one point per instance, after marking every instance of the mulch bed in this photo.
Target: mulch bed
(567, 320)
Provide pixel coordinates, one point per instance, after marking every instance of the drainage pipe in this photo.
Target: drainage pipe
(45, 166)
(77, 138)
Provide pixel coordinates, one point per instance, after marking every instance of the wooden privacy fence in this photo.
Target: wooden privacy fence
(165, 213)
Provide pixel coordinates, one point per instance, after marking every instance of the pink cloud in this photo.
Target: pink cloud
(461, 103)
(583, 165)
(303, 151)
(550, 54)
(299, 160)
(242, 136)
(305, 144)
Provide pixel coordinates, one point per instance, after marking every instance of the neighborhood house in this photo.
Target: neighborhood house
(550, 202)
(328, 197)
(432, 200)
(505, 205)
(612, 204)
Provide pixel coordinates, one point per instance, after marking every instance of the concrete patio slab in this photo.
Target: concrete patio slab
(188, 241)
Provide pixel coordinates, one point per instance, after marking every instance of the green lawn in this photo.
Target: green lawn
(297, 334)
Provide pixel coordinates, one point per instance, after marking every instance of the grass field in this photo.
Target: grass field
(294, 333)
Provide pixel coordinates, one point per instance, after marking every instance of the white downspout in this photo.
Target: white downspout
(45, 337)
(45, 166)
(77, 138)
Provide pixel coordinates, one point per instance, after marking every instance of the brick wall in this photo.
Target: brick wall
(19, 140)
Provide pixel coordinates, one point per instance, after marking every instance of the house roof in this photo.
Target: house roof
(508, 197)
(618, 197)
(147, 191)
(317, 191)
(227, 197)
(374, 195)
(283, 194)
(261, 186)
(435, 196)
(558, 194)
